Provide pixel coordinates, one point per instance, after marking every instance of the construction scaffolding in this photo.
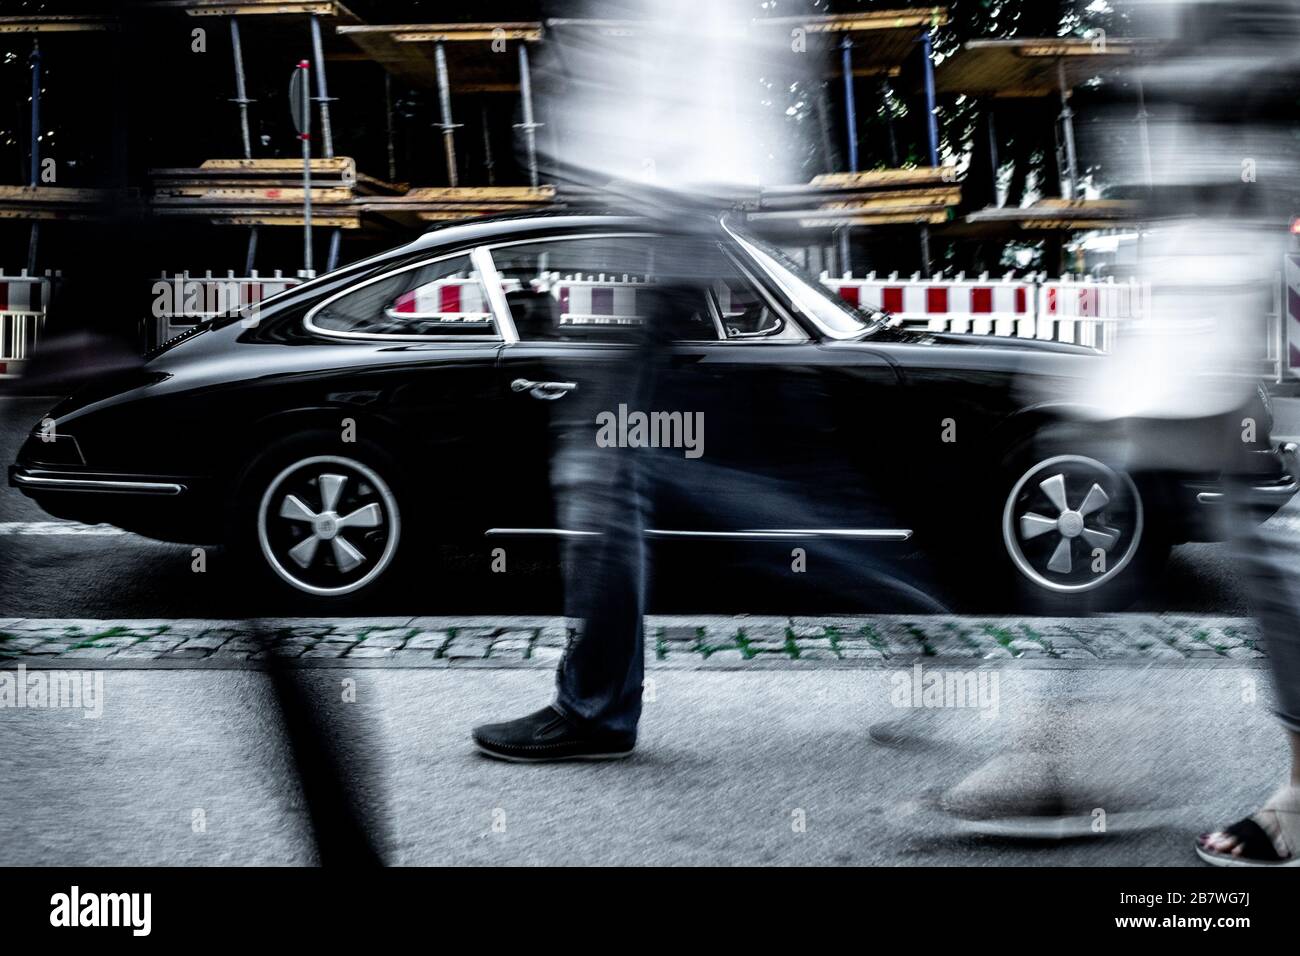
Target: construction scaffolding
(477, 151)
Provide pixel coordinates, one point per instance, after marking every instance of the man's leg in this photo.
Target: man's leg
(601, 496)
(598, 684)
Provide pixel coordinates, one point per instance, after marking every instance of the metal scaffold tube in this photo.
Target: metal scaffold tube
(34, 234)
(241, 90)
(444, 104)
(528, 125)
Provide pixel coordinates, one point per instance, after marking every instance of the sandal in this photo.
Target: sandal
(1256, 846)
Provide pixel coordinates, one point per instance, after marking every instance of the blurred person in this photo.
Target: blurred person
(661, 102)
(1270, 559)
(660, 106)
(742, 471)
(1215, 178)
(1222, 186)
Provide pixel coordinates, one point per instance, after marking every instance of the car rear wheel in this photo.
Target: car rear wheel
(324, 525)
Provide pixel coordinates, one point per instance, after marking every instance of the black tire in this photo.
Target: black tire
(1013, 558)
(1072, 531)
(348, 497)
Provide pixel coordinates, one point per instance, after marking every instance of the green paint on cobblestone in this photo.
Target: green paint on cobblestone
(743, 640)
(661, 646)
(111, 632)
(962, 635)
(833, 634)
(878, 642)
(926, 649)
(791, 647)
(1038, 639)
(707, 649)
(999, 634)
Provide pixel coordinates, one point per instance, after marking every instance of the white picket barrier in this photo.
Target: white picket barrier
(23, 303)
(984, 306)
(181, 300)
(1087, 312)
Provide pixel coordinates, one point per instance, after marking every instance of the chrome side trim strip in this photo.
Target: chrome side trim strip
(758, 534)
(101, 484)
(774, 534)
(1262, 491)
(540, 533)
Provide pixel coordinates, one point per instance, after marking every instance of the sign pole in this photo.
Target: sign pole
(300, 107)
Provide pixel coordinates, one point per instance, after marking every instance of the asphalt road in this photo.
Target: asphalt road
(727, 767)
(116, 575)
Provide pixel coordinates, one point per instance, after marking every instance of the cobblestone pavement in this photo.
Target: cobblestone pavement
(693, 642)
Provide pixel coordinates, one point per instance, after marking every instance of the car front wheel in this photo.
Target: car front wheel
(325, 525)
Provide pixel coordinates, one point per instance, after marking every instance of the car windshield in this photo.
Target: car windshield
(835, 317)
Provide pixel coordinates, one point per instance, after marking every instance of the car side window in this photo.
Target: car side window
(600, 289)
(443, 298)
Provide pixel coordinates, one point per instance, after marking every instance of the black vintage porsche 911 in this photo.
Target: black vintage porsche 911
(410, 399)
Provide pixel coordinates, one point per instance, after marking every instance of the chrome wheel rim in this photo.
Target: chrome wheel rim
(1070, 524)
(328, 525)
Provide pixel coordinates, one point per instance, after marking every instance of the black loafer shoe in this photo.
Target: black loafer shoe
(548, 735)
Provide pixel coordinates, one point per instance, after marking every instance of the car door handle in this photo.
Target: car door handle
(546, 391)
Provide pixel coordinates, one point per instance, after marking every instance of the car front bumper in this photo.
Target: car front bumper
(35, 481)
(1213, 507)
(166, 507)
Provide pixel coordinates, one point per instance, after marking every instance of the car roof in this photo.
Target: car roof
(525, 225)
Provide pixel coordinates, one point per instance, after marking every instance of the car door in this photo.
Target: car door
(762, 428)
(576, 335)
(792, 429)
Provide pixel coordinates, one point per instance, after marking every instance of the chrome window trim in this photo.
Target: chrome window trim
(312, 327)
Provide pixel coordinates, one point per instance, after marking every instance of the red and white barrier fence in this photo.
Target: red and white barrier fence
(1086, 312)
(1289, 341)
(23, 301)
(454, 299)
(1082, 311)
(181, 300)
(983, 306)
(596, 299)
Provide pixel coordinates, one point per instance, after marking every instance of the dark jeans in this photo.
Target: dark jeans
(599, 678)
(1269, 556)
(611, 495)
